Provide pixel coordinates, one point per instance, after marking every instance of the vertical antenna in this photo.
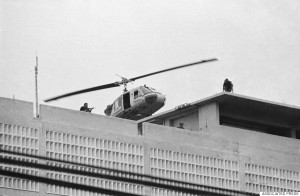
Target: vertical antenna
(36, 89)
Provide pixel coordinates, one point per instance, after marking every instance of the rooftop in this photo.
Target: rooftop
(240, 111)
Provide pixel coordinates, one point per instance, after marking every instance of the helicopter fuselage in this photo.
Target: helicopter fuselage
(136, 103)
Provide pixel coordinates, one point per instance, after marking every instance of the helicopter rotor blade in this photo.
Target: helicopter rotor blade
(119, 76)
(111, 85)
(173, 68)
(124, 81)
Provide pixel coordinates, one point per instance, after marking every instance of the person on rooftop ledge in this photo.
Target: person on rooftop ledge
(85, 108)
(227, 86)
(180, 126)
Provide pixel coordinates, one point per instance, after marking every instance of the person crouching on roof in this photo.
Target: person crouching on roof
(85, 108)
(227, 86)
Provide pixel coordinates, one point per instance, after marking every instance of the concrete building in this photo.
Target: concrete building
(228, 141)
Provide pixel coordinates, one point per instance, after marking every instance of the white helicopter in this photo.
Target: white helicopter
(136, 103)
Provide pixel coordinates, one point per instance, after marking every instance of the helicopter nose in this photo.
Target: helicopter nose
(150, 99)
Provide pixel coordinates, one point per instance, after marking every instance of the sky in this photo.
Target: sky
(82, 44)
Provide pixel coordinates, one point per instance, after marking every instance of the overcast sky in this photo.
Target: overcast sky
(81, 44)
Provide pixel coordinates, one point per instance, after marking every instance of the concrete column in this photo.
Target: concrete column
(242, 172)
(167, 122)
(147, 160)
(293, 133)
(208, 117)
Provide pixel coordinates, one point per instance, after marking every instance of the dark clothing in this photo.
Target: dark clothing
(180, 126)
(85, 109)
(227, 86)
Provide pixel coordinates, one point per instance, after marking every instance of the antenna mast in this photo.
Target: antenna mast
(36, 89)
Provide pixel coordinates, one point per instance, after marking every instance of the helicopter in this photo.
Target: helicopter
(136, 103)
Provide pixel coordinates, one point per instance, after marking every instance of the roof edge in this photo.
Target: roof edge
(217, 98)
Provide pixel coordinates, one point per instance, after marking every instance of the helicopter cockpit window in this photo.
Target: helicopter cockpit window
(118, 103)
(152, 89)
(136, 94)
(146, 90)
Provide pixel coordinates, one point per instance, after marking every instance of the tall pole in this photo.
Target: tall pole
(36, 89)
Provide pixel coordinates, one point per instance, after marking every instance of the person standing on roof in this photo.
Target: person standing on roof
(85, 108)
(227, 86)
